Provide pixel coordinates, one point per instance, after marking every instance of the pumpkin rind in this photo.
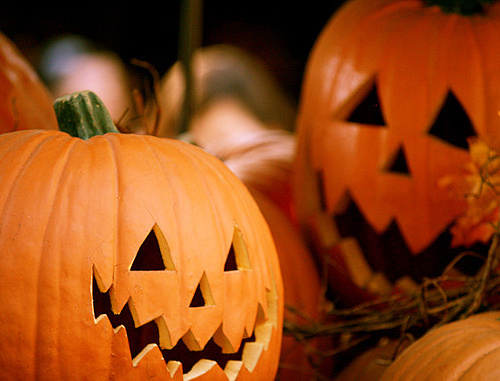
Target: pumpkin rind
(73, 210)
(464, 350)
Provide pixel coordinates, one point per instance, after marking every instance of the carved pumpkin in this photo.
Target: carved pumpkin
(25, 102)
(465, 350)
(131, 257)
(391, 92)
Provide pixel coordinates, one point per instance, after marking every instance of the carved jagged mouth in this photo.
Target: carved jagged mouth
(388, 252)
(140, 339)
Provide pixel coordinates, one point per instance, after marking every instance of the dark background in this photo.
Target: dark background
(281, 34)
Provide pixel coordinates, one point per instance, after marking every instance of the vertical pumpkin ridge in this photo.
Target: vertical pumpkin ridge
(475, 57)
(113, 157)
(480, 96)
(46, 278)
(25, 162)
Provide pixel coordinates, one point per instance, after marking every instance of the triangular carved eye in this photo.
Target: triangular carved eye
(453, 124)
(237, 258)
(369, 111)
(154, 253)
(203, 294)
(398, 163)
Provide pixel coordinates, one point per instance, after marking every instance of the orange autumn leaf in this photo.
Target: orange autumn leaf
(479, 183)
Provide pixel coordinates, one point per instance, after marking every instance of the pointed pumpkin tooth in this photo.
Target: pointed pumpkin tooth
(233, 369)
(222, 341)
(145, 352)
(174, 368)
(207, 369)
(190, 340)
(251, 355)
(164, 334)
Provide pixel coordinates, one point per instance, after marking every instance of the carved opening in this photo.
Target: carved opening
(141, 337)
(452, 124)
(203, 295)
(154, 253)
(369, 110)
(398, 163)
(237, 257)
(388, 252)
(144, 338)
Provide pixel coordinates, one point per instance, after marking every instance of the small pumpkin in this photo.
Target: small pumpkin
(392, 91)
(130, 257)
(467, 349)
(25, 101)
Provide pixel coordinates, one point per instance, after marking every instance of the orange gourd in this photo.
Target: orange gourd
(131, 257)
(465, 350)
(25, 102)
(391, 92)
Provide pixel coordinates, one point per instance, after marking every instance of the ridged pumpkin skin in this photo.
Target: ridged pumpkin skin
(73, 217)
(415, 61)
(25, 102)
(466, 350)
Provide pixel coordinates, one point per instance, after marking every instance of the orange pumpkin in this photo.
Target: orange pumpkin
(131, 257)
(391, 92)
(25, 102)
(466, 350)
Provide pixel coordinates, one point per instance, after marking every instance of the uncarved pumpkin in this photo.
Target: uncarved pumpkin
(466, 350)
(25, 102)
(131, 257)
(391, 92)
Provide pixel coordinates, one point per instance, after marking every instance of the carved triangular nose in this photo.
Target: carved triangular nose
(203, 295)
(398, 163)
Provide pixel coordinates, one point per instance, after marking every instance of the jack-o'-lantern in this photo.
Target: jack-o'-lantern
(25, 102)
(392, 91)
(130, 257)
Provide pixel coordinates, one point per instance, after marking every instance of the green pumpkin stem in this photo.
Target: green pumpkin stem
(83, 115)
(461, 7)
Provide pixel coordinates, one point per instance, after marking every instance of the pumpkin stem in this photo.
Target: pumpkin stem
(461, 7)
(83, 115)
